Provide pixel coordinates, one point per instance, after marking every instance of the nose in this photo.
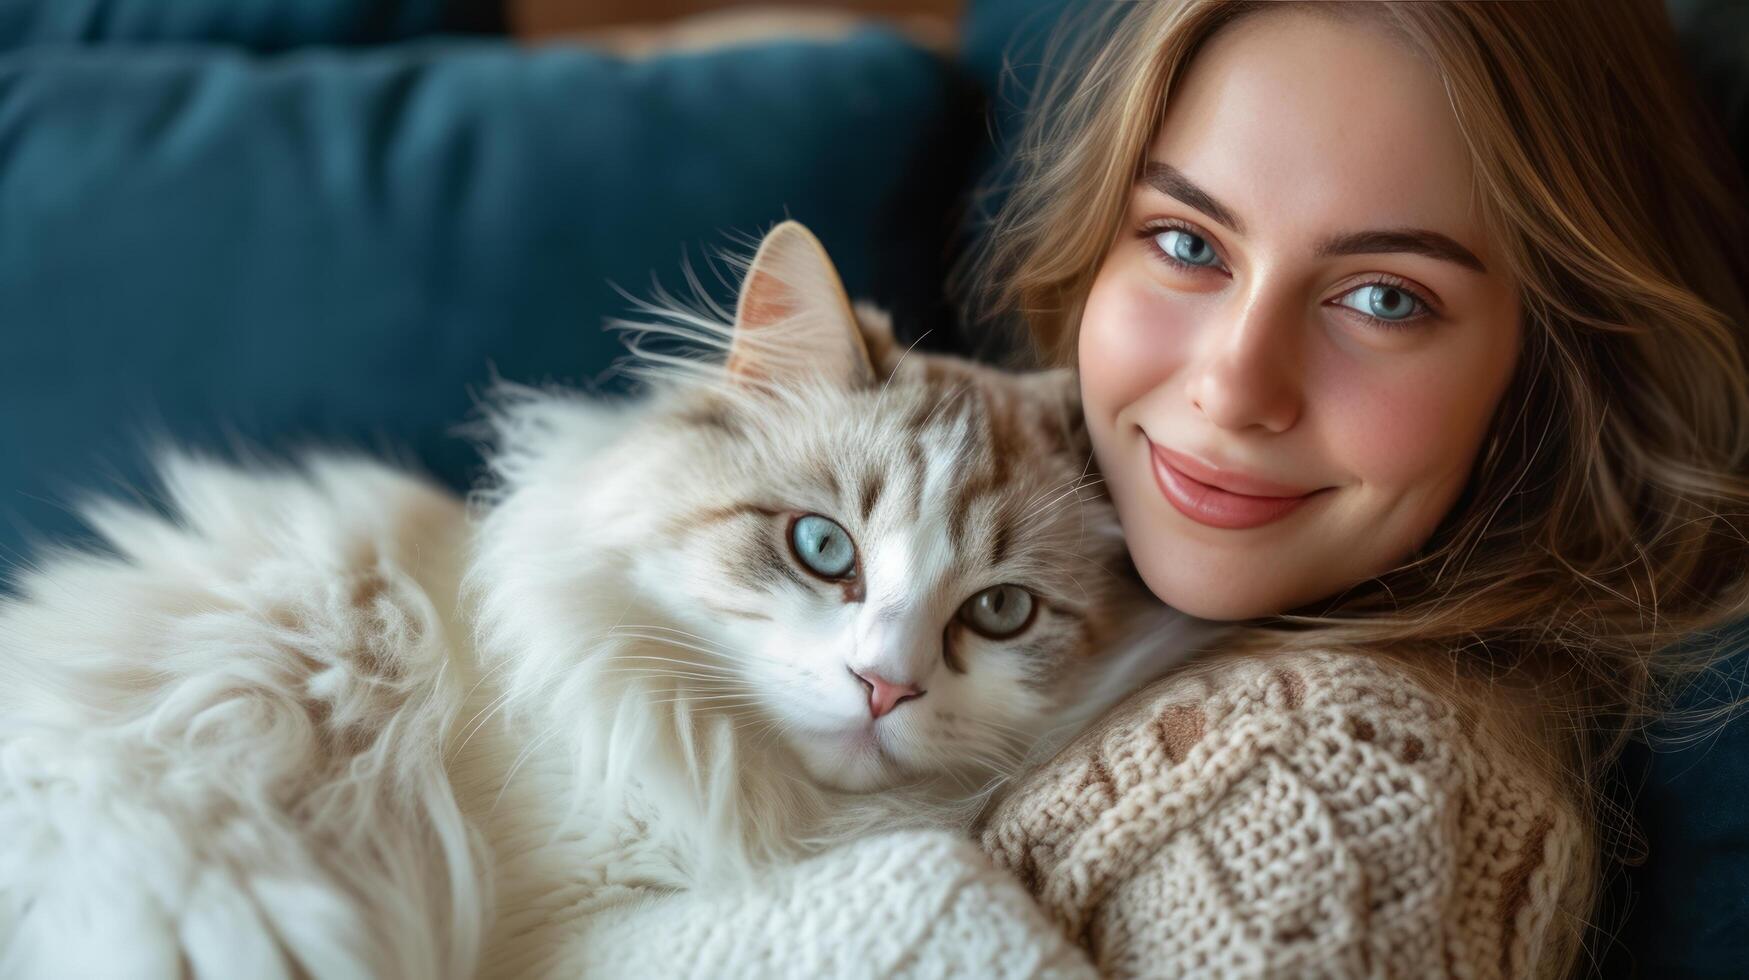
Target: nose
(884, 695)
(1250, 370)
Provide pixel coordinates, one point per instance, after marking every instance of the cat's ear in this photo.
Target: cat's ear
(793, 318)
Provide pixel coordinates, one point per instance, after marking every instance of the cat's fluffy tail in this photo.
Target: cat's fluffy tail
(221, 746)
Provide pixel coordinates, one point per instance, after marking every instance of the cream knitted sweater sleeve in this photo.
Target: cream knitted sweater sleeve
(1313, 815)
(909, 904)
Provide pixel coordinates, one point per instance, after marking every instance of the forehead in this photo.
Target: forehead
(945, 429)
(1299, 120)
(959, 453)
(957, 477)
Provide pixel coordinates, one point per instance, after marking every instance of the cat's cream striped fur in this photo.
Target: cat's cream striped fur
(322, 722)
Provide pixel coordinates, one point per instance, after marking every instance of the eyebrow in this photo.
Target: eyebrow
(1418, 241)
(1168, 180)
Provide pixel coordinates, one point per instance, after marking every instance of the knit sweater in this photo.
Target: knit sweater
(907, 905)
(1320, 815)
(1313, 815)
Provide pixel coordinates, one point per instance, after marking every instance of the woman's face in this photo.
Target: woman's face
(1293, 349)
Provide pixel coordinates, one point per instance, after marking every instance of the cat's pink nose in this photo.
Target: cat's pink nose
(884, 695)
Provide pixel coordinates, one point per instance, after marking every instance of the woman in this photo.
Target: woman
(1412, 336)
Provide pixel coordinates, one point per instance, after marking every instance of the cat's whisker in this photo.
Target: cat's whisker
(1044, 492)
(661, 666)
(766, 733)
(947, 397)
(986, 770)
(1073, 492)
(901, 361)
(1000, 726)
(739, 712)
(675, 642)
(691, 641)
(663, 683)
(682, 644)
(670, 641)
(786, 729)
(746, 699)
(1072, 555)
(957, 778)
(680, 663)
(697, 671)
(1004, 732)
(705, 694)
(699, 682)
(695, 667)
(974, 745)
(994, 759)
(482, 718)
(628, 627)
(768, 729)
(487, 674)
(1086, 597)
(521, 758)
(1041, 510)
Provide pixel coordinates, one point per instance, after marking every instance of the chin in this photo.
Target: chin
(1205, 598)
(832, 763)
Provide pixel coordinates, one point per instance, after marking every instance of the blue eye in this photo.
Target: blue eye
(1186, 247)
(1382, 301)
(823, 547)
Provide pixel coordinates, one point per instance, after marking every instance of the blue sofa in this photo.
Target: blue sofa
(262, 224)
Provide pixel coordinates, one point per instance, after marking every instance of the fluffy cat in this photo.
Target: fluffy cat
(325, 723)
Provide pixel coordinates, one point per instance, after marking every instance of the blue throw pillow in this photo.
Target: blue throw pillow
(339, 246)
(1684, 912)
(263, 25)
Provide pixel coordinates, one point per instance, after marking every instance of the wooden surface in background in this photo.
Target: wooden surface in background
(547, 18)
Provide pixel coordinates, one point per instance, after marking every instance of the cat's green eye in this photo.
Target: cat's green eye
(822, 546)
(999, 612)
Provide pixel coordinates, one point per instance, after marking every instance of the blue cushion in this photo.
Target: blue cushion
(1715, 39)
(262, 25)
(339, 246)
(1005, 48)
(1685, 910)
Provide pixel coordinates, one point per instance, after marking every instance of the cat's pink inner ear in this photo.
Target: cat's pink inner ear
(764, 301)
(793, 317)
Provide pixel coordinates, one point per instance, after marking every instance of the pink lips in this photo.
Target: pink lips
(1220, 499)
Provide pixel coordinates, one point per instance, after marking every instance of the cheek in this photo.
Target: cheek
(1408, 438)
(1132, 339)
(1414, 425)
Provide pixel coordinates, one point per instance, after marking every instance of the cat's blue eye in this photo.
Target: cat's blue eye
(999, 612)
(1382, 301)
(823, 547)
(1186, 247)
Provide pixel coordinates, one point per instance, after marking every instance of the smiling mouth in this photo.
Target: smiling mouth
(1214, 506)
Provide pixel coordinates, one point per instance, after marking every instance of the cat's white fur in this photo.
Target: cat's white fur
(170, 802)
(319, 722)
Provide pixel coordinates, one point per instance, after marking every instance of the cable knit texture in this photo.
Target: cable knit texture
(1313, 815)
(908, 905)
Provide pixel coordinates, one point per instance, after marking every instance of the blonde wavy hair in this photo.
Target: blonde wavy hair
(1599, 549)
